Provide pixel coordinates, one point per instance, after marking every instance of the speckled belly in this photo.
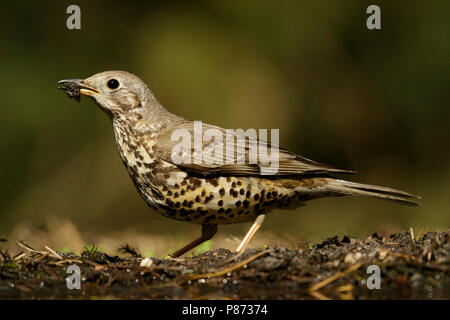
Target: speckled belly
(222, 200)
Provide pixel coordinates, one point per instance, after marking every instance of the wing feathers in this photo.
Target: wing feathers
(288, 164)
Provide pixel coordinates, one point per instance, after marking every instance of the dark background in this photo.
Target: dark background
(376, 101)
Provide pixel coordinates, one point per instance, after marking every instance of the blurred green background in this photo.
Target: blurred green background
(373, 101)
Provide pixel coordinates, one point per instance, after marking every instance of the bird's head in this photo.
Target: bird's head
(116, 92)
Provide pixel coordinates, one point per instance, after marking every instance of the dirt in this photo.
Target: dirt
(335, 269)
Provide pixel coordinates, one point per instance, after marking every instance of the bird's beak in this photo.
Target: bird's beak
(74, 87)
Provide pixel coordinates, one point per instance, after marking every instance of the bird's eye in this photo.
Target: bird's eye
(113, 84)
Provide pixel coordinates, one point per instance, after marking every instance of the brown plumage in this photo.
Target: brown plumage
(205, 192)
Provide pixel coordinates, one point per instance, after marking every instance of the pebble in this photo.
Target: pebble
(146, 262)
(352, 258)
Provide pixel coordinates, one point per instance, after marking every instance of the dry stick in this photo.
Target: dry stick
(226, 270)
(318, 295)
(53, 252)
(345, 288)
(42, 257)
(28, 248)
(61, 262)
(234, 257)
(49, 251)
(411, 232)
(20, 256)
(420, 234)
(334, 277)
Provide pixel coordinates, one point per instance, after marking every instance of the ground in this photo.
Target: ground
(410, 268)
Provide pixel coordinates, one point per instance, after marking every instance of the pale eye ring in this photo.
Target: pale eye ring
(113, 84)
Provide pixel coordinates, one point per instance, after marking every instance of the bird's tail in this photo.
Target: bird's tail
(342, 187)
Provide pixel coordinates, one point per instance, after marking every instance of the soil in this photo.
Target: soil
(335, 269)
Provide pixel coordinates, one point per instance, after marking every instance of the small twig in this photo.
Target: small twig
(231, 259)
(58, 263)
(97, 266)
(20, 256)
(392, 243)
(334, 277)
(420, 234)
(54, 253)
(318, 295)
(28, 248)
(42, 257)
(411, 231)
(345, 288)
(232, 268)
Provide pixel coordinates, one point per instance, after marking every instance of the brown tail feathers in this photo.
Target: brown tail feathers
(342, 187)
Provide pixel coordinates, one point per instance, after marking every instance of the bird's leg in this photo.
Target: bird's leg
(208, 231)
(256, 225)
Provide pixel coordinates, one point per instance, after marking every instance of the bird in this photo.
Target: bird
(207, 192)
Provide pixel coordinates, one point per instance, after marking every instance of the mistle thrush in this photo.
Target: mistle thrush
(206, 193)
